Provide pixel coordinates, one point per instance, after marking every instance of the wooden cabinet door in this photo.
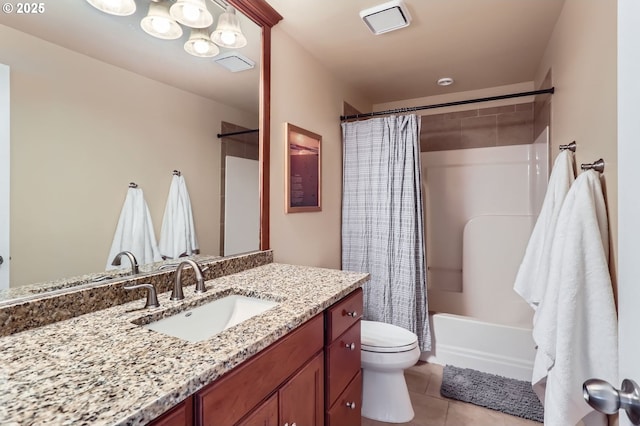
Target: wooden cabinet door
(265, 415)
(302, 397)
(180, 415)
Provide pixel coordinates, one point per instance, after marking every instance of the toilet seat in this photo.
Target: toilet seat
(381, 337)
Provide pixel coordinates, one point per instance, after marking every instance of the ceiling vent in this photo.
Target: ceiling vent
(234, 61)
(386, 17)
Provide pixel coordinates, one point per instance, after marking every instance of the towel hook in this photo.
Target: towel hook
(176, 173)
(133, 185)
(598, 166)
(571, 147)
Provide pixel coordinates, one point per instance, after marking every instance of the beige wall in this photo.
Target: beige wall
(81, 130)
(305, 94)
(582, 57)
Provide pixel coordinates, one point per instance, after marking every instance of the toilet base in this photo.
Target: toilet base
(385, 396)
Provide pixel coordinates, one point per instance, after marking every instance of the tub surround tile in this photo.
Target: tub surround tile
(102, 369)
(45, 307)
(478, 132)
(515, 128)
(478, 128)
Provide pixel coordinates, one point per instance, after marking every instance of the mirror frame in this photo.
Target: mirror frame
(260, 12)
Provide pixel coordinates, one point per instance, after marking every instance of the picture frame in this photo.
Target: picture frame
(303, 170)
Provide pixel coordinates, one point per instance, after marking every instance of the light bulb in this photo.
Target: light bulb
(161, 25)
(190, 12)
(228, 38)
(201, 46)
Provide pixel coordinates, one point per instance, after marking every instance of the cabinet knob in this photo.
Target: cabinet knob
(351, 405)
(350, 346)
(292, 424)
(351, 314)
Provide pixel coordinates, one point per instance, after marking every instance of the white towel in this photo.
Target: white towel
(576, 323)
(134, 232)
(193, 247)
(531, 280)
(178, 236)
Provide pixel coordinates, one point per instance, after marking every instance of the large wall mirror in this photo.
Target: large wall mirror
(97, 103)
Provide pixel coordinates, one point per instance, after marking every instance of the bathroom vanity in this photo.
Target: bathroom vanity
(297, 363)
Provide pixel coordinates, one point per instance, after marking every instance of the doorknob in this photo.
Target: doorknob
(607, 399)
(1, 260)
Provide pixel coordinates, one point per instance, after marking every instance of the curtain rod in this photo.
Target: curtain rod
(242, 132)
(446, 104)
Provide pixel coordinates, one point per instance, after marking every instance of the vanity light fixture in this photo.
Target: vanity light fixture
(200, 44)
(192, 13)
(115, 7)
(228, 32)
(386, 17)
(159, 23)
(166, 19)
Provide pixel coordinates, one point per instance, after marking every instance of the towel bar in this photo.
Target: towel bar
(571, 147)
(598, 166)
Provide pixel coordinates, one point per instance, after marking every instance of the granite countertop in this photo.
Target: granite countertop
(102, 369)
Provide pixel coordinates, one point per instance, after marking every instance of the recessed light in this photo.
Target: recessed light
(445, 81)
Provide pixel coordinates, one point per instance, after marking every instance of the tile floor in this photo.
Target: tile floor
(432, 409)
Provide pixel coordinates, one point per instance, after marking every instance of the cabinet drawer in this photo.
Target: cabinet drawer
(343, 362)
(343, 315)
(346, 410)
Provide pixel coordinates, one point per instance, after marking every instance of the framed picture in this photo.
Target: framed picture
(303, 165)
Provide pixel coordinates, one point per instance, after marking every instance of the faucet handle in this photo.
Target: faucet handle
(152, 295)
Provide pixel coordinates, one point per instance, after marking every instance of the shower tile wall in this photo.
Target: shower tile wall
(478, 128)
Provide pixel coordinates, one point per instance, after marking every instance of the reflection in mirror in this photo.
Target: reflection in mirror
(96, 103)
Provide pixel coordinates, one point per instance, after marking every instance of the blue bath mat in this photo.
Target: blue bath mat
(511, 396)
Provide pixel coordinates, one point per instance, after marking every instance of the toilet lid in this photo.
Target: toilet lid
(383, 337)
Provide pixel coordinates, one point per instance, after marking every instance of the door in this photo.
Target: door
(628, 192)
(4, 176)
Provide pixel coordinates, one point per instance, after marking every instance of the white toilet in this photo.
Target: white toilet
(387, 350)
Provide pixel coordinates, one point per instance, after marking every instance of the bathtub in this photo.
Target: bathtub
(476, 237)
(490, 347)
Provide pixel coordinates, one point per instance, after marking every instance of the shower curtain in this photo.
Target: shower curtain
(382, 220)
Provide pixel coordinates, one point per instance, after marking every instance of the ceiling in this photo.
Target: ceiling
(120, 41)
(479, 43)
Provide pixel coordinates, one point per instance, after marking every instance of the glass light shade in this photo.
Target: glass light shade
(192, 13)
(228, 32)
(199, 44)
(115, 7)
(159, 23)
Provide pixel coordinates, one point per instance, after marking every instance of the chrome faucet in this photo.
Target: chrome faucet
(152, 295)
(132, 259)
(177, 293)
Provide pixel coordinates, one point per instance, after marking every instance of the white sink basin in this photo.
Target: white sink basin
(201, 323)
